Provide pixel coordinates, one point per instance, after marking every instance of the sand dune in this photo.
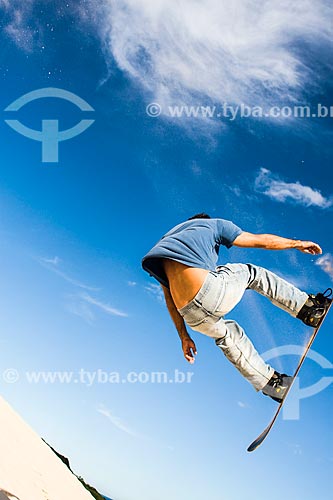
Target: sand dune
(29, 470)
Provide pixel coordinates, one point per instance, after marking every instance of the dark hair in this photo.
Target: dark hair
(199, 216)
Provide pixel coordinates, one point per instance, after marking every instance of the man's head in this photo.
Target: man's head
(199, 216)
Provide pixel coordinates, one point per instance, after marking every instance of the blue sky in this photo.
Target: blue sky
(73, 295)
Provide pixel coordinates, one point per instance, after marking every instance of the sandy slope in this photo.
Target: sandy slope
(29, 470)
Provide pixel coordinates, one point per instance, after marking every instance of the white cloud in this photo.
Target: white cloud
(277, 189)
(118, 422)
(196, 169)
(325, 262)
(295, 448)
(54, 261)
(189, 52)
(52, 264)
(80, 308)
(228, 51)
(107, 308)
(80, 303)
(156, 291)
(124, 427)
(18, 27)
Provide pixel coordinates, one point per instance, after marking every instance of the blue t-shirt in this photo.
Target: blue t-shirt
(194, 243)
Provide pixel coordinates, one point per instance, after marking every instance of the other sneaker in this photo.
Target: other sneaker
(278, 386)
(315, 308)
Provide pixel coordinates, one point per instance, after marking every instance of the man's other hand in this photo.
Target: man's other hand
(189, 349)
(274, 242)
(308, 247)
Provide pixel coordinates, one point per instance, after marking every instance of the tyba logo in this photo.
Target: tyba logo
(291, 408)
(50, 135)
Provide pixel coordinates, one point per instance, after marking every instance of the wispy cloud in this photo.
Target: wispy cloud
(295, 448)
(277, 189)
(52, 264)
(107, 308)
(242, 405)
(241, 51)
(325, 262)
(155, 291)
(18, 27)
(54, 261)
(182, 52)
(84, 306)
(80, 308)
(81, 304)
(118, 422)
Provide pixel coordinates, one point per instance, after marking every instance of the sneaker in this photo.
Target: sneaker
(278, 386)
(315, 308)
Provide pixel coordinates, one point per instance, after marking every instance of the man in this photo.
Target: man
(198, 293)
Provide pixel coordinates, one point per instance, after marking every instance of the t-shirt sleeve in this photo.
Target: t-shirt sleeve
(227, 232)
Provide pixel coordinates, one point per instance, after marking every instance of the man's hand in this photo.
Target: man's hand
(189, 349)
(188, 345)
(273, 242)
(308, 247)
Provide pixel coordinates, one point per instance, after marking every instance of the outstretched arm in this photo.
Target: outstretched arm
(273, 242)
(188, 345)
